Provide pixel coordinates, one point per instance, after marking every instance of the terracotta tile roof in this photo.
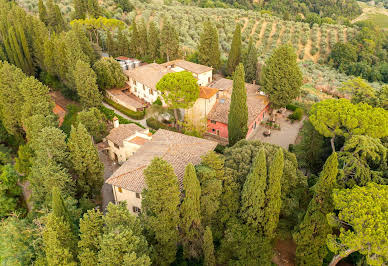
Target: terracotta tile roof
(125, 99)
(60, 112)
(138, 140)
(175, 148)
(226, 85)
(189, 66)
(122, 58)
(206, 92)
(148, 75)
(255, 102)
(118, 134)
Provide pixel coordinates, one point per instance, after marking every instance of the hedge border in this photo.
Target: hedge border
(125, 110)
(109, 113)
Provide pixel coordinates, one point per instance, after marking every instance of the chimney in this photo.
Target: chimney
(116, 122)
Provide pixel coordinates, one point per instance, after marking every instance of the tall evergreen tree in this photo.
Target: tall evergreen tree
(153, 41)
(209, 47)
(160, 203)
(79, 9)
(208, 248)
(85, 162)
(42, 12)
(143, 39)
(281, 77)
(123, 44)
(134, 43)
(191, 214)
(86, 84)
(253, 193)
(273, 194)
(313, 230)
(55, 20)
(250, 62)
(59, 240)
(235, 51)
(238, 113)
(94, 10)
(169, 42)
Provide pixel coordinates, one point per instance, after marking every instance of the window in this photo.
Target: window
(213, 122)
(134, 82)
(143, 87)
(116, 146)
(151, 92)
(138, 195)
(136, 209)
(213, 130)
(120, 190)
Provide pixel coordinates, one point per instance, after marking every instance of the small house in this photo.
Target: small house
(203, 74)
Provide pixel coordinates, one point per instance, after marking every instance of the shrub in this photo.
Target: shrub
(158, 101)
(297, 114)
(291, 107)
(70, 117)
(155, 124)
(124, 110)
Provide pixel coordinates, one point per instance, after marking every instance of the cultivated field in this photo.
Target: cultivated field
(378, 15)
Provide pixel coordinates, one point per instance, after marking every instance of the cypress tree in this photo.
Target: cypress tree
(60, 22)
(134, 44)
(250, 63)
(143, 40)
(85, 162)
(86, 84)
(94, 9)
(209, 47)
(59, 241)
(238, 113)
(235, 51)
(312, 234)
(123, 44)
(42, 12)
(153, 42)
(111, 45)
(90, 227)
(79, 9)
(191, 214)
(160, 205)
(281, 77)
(169, 42)
(253, 193)
(273, 194)
(58, 206)
(208, 248)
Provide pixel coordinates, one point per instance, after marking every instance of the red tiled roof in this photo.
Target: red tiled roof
(122, 58)
(138, 140)
(206, 92)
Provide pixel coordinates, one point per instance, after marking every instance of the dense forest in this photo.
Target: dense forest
(326, 195)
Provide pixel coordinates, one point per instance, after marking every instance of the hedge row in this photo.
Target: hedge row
(109, 113)
(124, 110)
(297, 114)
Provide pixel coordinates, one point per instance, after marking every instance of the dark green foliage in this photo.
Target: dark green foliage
(238, 114)
(235, 51)
(132, 114)
(169, 42)
(125, 5)
(134, 49)
(291, 107)
(70, 117)
(85, 162)
(153, 42)
(209, 47)
(10, 192)
(42, 12)
(156, 124)
(281, 77)
(208, 248)
(142, 44)
(190, 208)
(95, 122)
(297, 114)
(109, 74)
(86, 84)
(110, 114)
(79, 9)
(54, 21)
(250, 63)
(160, 206)
(94, 10)
(23, 161)
(313, 230)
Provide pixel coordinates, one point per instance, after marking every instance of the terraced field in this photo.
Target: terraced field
(266, 31)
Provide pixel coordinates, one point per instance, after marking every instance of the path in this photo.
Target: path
(109, 168)
(141, 122)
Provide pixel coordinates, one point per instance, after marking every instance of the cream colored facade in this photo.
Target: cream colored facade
(143, 92)
(122, 153)
(204, 79)
(132, 199)
(198, 113)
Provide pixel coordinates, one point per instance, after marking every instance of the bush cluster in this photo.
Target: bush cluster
(124, 110)
(297, 114)
(110, 114)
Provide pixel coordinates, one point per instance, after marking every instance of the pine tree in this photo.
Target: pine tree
(253, 196)
(153, 41)
(250, 63)
(209, 47)
(42, 12)
(85, 162)
(238, 113)
(208, 248)
(235, 51)
(313, 230)
(169, 42)
(191, 214)
(273, 194)
(59, 240)
(86, 84)
(90, 228)
(281, 77)
(160, 203)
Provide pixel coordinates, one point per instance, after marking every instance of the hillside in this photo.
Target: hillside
(267, 31)
(375, 14)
